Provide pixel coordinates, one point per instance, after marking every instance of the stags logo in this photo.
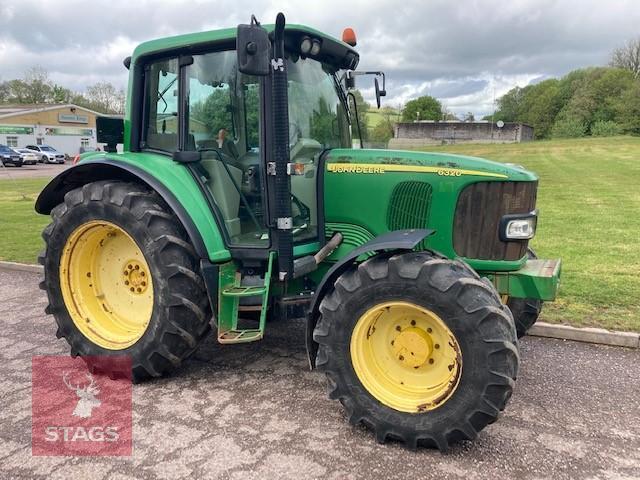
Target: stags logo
(77, 413)
(87, 400)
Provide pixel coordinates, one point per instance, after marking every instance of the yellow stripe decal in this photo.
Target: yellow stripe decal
(368, 168)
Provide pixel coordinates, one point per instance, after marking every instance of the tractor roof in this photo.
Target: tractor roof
(194, 40)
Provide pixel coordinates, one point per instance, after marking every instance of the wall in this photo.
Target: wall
(435, 133)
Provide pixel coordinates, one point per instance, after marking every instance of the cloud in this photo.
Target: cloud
(461, 52)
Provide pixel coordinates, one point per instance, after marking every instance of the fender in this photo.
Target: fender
(83, 173)
(398, 240)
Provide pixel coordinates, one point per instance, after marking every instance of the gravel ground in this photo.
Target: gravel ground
(33, 171)
(255, 411)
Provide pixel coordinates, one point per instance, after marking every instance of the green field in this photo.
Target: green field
(589, 201)
(20, 225)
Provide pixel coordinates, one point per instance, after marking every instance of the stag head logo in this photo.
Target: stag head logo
(87, 400)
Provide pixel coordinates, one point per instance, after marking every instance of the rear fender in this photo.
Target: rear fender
(91, 171)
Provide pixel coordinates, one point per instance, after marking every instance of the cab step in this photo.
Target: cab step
(240, 336)
(243, 291)
(231, 291)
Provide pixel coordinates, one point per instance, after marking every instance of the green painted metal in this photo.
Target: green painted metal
(357, 192)
(179, 181)
(228, 278)
(229, 304)
(537, 279)
(353, 236)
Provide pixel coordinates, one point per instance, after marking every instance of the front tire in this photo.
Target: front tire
(417, 392)
(122, 279)
(525, 311)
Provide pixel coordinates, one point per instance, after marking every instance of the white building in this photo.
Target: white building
(66, 127)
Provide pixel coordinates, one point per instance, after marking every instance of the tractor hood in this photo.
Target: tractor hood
(440, 164)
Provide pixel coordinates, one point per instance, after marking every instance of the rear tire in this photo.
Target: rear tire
(525, 311)
(178, 317)
(472, 311)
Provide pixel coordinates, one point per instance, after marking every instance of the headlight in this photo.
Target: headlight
(518, 226)
(315, 47)
(305, 45)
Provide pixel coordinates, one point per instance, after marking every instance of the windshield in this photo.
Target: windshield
(46, 148)
(4, 149)
(316, 112)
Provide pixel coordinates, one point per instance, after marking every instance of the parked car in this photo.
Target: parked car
(28, 157)
(8, 156)
(47, 154)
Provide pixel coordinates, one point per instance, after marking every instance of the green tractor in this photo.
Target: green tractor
(239, 197)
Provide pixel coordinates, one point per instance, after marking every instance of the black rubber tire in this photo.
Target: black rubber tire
(45, 159)
(181, 311)
(473, 312)
(525, 311)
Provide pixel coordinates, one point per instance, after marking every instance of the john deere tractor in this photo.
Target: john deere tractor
(239, 197)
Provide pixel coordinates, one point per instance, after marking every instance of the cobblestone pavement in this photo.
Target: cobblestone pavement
(255, 411)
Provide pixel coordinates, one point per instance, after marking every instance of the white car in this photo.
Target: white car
(29, 157)
(47, 154)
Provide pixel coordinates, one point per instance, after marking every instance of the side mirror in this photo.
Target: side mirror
(252, 47)
(110, 131)
(379, 92)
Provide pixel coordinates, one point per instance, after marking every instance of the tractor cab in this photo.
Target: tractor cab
(222, 122)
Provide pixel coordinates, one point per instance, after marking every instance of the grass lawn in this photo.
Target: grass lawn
(20, 225)
(589, 201)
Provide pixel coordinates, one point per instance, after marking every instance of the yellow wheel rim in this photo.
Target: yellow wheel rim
(406, 356)
(106, 285)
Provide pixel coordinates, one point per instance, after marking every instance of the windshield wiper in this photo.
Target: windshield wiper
(161, 94)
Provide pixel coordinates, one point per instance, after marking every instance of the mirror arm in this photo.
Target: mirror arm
(355, 110)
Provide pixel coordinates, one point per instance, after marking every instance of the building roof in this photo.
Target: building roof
(21, 109)
(459, 122)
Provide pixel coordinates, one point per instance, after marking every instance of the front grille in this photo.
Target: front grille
(480, 207)
(409, 206)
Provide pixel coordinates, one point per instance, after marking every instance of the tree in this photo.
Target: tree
(628, 110)
(422, 108)
(214, 111)
(627, 57)
(38, 86)
(60, 94)
(540, 106)
(18, 91)
(5, 92)
(509, 105)
(469, 117)
(383, 131)
(104, 97)
(568, 128)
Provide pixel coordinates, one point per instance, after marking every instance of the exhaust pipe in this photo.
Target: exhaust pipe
(305, 265)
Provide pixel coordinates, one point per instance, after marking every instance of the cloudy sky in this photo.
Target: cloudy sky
(462, 52)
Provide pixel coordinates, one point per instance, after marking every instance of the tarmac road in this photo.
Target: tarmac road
(33, 171)
(255, 411)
